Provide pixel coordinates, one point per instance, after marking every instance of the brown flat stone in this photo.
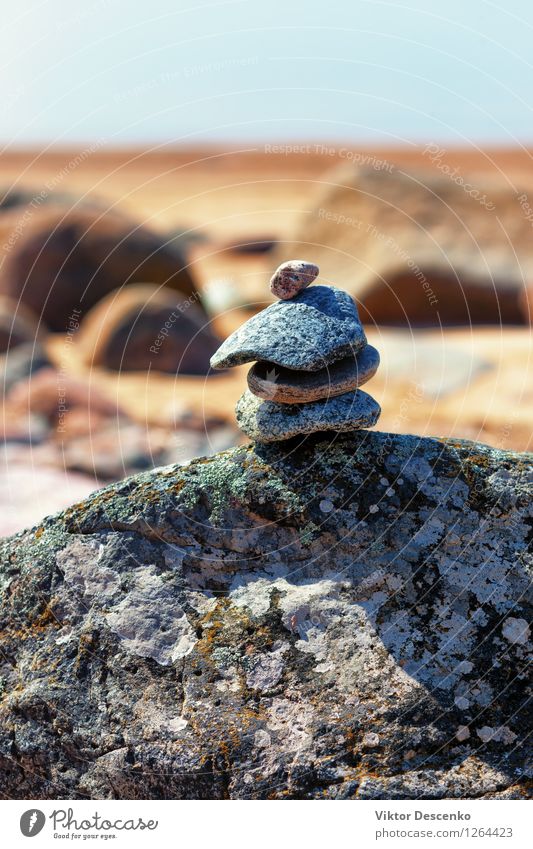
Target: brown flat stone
(288, 386)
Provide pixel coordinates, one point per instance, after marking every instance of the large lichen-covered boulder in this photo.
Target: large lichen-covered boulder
(343, 617)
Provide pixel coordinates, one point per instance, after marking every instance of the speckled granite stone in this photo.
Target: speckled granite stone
(317, 327)
(267, 421)
(292, 277)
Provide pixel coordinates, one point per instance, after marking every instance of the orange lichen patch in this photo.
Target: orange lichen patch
(46, 618)
(86, 646)
(149, 494)
(38, 627)
(177, 487)
(211, 624)
(104, 495)
(231, 628)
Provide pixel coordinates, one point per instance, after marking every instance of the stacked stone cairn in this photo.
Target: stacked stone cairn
(310, 356)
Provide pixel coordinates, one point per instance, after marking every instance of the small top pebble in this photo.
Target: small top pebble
(291, 277)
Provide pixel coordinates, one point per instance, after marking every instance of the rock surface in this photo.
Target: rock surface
(317, 327)
(64, 259)
(286, 386)
(416, 247)
(268, 421)
(18, 325)
(53, 395)
(526, 303)
(338, 620)
(292, 277)
(19, 363)
(142, 327)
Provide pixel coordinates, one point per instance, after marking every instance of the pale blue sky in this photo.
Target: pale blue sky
(176, 71)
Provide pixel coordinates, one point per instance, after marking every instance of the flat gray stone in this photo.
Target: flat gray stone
(317, 327)
(288, 386)
(267, 421)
